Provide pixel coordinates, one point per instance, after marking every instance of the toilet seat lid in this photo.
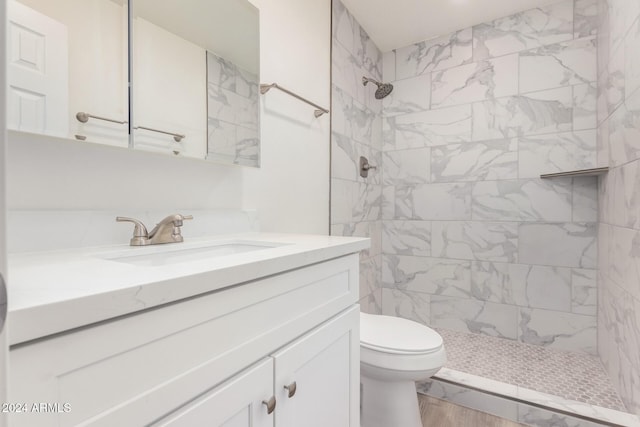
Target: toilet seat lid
(397, 335)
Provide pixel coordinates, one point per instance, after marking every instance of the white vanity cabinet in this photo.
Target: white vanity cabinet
(208, 360)
(313, 378)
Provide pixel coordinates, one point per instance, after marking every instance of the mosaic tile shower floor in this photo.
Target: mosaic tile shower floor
(570, 375)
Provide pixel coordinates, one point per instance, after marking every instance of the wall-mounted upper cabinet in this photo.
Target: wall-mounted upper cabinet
(67, 57)
(192, 67)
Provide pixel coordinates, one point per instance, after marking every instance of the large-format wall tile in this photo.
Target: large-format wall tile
(475, 82)
(406, 238)
(585, 106)
(531, 28)
(619, 338)
(602, 103)
(560, 152)
(341, 105)
(429, 275)
(602, 144)
(341, 201)
(370, 229)
(406, 166)
(366, 202)
(534, 113)
(622, 13)
(247, 84)
(624, 256)
(371, 303)
(565, 245)
(632, 60)
(614, 81)
(558, 65)
(431, 128)
(347, 32)
(414, 306)
(522, 200)
(584, 291)
(481, 317)
(585, 199)
(485, 241)
(346, 73)
(433, 201)
(431, 55)
(344, 28)
(490, 281)
(343, 157)
(585, 18)
(389, 66)
(221, 72)
(557, 329)
(474, 161)
(408, 96)
(624, 132)
(541, 286)
(361, 121)
(388, 207)
(370, 280)
(247, 147)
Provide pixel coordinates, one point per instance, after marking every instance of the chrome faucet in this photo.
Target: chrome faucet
(166, 231)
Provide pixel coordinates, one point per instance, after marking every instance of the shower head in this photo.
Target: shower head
(383, 90)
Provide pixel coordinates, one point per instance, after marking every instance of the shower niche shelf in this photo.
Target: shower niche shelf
(579, 172)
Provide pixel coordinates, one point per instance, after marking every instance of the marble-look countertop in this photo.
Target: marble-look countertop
(56, 291)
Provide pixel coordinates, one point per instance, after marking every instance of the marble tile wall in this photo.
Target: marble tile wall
(618, 116)
(356, 130)
(233, 130)
(472, 239)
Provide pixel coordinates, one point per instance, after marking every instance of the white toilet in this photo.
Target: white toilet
(394, 354)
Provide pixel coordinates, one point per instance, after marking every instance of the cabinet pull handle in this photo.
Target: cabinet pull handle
(270, 404)
(291, 388)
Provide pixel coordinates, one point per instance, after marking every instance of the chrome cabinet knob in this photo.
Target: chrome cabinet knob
(291, 388)
(270, 404)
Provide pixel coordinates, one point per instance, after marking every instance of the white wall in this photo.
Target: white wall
(160, 58)
(3, 267)
(290, 191)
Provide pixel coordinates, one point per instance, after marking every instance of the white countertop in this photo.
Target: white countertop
(55, 291)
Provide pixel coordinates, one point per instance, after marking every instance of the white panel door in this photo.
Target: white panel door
(236, 403)
(37, 59)
(322, 374)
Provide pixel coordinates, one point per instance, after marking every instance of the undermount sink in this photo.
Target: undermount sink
(175, 254)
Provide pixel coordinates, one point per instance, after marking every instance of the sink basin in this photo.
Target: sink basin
(177, 255)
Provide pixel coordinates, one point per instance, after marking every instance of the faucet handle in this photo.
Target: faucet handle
(186, 217)
(140, 234)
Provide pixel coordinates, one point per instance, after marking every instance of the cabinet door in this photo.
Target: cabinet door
(236, 403)
(324, 368)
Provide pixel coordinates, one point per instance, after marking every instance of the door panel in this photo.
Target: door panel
(37, 60)
(325, 366)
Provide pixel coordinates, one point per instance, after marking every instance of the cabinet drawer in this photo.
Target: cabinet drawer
(132, 370)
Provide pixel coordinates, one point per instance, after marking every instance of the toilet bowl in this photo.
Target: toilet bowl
(394, 354)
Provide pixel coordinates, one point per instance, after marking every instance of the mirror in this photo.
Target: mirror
(195, 68)
(66, 57)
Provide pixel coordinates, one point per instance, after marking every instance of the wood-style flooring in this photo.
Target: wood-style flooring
(438, 413)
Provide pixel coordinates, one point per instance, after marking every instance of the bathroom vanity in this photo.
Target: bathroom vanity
(249, 330)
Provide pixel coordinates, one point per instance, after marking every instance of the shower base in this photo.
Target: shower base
(533, 385)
